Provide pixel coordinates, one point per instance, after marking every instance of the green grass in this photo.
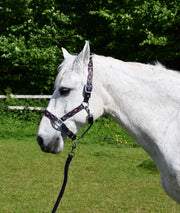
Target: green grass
(109, 172)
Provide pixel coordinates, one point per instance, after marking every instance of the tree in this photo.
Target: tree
(31, 36)
(33, 31)
(142, 30)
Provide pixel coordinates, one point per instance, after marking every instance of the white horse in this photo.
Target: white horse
(144, 99)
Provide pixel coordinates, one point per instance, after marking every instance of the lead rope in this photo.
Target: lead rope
(66, 169)
(68, 161)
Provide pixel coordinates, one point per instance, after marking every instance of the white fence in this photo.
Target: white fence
(25, 97)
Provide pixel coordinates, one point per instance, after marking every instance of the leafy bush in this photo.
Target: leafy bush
(32, 33)
(142, 30)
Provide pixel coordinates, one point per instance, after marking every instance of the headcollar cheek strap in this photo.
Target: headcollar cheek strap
(89, 86)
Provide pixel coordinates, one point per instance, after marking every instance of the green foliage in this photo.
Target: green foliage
(32, 33)
(143, 30)
(29, 43)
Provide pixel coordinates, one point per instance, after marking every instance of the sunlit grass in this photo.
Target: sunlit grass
(103, 176)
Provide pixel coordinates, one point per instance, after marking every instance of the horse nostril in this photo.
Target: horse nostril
(40, 141)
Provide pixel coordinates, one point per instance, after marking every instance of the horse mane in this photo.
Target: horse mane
(154, 68)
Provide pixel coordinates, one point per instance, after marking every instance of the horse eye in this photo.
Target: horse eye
(64, 91)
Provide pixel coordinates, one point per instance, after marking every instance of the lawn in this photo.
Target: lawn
(109, 172)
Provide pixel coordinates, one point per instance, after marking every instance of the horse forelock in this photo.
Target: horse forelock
(63, 68)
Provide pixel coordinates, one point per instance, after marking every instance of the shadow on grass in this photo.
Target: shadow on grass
(148, 165)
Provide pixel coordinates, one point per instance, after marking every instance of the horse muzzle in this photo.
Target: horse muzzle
(54, 146)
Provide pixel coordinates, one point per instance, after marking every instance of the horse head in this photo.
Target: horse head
(68, 94)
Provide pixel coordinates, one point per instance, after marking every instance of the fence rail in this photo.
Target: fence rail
(23, 107)
(26, 97)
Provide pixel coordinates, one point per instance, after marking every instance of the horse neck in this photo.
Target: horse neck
(121, 88)
(136, 96)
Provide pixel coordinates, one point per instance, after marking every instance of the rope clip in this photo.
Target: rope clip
(72, 153)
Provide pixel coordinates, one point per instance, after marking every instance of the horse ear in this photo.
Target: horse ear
(65, 53)
(85, 53)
